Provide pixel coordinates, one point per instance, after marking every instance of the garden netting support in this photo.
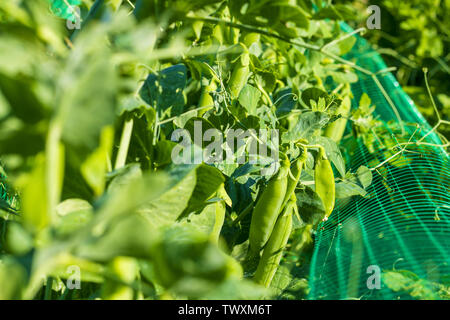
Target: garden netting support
(401, 228)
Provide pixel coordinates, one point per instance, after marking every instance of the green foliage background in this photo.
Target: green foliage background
(86, 118)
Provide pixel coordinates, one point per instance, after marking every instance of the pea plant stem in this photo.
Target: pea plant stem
(314, 146)
(124, 143)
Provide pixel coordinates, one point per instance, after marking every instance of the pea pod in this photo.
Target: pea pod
(324, 179)
(206, 99)
(267, 209)
(240, 73)
(336, 129)
(294, 177)
(273, 251)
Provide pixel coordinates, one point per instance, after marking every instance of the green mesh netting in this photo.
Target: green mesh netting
(403, 225)
(65, 9)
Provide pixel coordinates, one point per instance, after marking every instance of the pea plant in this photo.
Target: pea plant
(90, 187)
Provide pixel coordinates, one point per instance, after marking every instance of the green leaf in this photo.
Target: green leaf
(342, 46)
(122, 177)
(267, 80)
(310, 206)
(346, 189)
(249, 98)
(197, 126)
(365, 101)
(312, 94)
(208, 181)
(72, 205)
(74, 214)
(346, 45)
(343, 77)
(134, 192)
(14, 59)
(181, 120)
(131, 236)
(364, 176)
(18, 240)
(167, 208)
(294, 14)
(307, 124)
(281, 280)
(88, 100)
(162, 153)
(129, 104)
(285, 101)
(203, 221)
(164, 91)
(336, 12)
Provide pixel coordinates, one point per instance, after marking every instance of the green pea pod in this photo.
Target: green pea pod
(206, 99)
(240, 73)
(294, 177)
(324, 179)
(267, 209)
(336, 129)
(273, 251)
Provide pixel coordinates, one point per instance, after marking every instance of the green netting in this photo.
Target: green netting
(403, 225)
(65, 8)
